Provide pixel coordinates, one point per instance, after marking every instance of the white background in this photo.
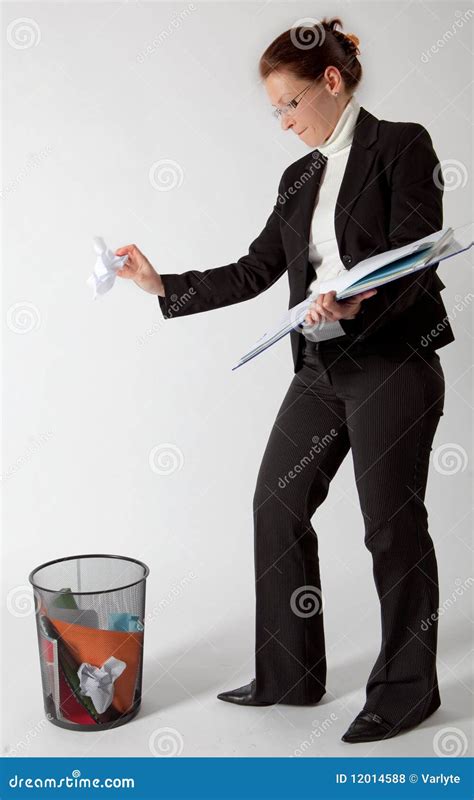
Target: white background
(92, 387)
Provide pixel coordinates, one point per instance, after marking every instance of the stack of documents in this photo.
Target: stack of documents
(369, 274)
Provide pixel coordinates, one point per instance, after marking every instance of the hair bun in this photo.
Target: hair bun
(330, 25)
(349, 41)
(354, 39)
(309, 47)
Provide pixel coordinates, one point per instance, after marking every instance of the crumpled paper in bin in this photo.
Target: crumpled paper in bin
(98, 682)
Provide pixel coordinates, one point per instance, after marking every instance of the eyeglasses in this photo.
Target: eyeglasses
(279, 112)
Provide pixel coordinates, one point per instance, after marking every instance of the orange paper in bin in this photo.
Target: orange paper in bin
(94, 646)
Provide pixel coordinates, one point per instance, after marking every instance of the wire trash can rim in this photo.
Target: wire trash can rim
(146, 572)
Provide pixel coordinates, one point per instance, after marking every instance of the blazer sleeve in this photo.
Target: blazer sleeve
(265, 262)
(416, 210)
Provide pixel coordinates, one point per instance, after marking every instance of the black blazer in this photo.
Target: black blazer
(391, 194)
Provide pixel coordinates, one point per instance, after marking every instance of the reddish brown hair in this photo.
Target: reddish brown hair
(307, 50)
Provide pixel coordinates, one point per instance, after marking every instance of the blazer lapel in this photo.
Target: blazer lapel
(359, 163)
(300, 219)
(355, 175)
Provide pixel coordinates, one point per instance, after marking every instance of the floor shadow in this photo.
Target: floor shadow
(219, 663)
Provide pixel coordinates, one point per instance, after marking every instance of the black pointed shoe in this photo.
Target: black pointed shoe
(370, 727)
(244, 696)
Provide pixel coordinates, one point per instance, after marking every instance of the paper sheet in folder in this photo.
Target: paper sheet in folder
(370, 273)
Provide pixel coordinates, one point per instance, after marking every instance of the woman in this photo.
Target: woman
(377, 388)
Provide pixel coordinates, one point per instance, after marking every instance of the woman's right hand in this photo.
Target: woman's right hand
(138, 268)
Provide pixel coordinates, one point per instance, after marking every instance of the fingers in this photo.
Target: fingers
(312, 316)
(325, 306)
(365, 295)
(128, 249)
(329, 305)
(129, 268)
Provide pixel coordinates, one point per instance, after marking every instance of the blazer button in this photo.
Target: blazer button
(347, 259)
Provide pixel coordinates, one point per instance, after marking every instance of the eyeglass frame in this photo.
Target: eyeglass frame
(277, 113)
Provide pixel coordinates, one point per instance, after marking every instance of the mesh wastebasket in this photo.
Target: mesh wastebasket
(90, 612)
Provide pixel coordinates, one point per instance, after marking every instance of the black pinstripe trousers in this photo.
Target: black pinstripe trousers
(385, 408)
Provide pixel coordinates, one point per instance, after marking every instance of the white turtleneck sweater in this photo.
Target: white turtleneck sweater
(323, 250)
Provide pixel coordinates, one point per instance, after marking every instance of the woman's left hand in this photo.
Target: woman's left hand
(326, 307)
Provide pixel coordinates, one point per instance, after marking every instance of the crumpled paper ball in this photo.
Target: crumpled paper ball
(98, 682)
(105, 268)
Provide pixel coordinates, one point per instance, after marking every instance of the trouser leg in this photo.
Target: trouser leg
(307, 443)
(392, 409)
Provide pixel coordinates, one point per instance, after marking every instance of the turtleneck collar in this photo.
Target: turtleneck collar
(343, 133)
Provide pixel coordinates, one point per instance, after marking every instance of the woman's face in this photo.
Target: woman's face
(318, 110)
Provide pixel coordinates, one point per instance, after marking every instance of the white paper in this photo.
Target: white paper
(326, 329)
(98, 682)
(294, 318)
(396, 269)
(105, 268)
(369, 265)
